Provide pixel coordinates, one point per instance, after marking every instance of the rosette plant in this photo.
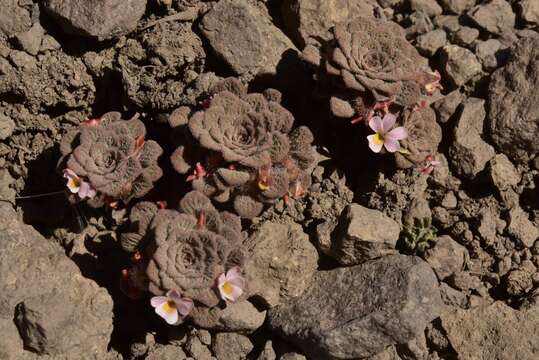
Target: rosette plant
(242, 148)
(185, 250)
(369, 65)
(109, 159)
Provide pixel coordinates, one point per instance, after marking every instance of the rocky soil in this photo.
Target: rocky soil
(372, 263)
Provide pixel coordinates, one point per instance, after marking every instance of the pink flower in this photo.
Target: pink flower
(78, 186)
(386, 136)
(172, 307)
(231, 284)
(429, 165)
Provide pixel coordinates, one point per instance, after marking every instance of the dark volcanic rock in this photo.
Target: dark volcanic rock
(100, 19)
(358, 311)
(513, 117)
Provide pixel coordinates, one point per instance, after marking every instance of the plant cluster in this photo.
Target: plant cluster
(369, 67)
(192, 254)
(107, 160)
(418, 235)
(241, 148)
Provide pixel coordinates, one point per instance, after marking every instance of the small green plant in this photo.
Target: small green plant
(417, 236)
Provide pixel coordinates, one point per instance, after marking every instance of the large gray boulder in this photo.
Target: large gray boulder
(98, 19)
(358, 311)
(46, 306)
(513, 117)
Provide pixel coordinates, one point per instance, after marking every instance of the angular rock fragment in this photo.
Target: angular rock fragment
(358, 311)
(493, 332)
(503, 172)
(456, 6)
(446, 256)
(361, 234)
(430, 42)
(513, 100)
(231, 346)
(459, 64)
(529, 11)
(469, 153)
(308, 20)
(245, 38)
(240, 317)
(495, 16)
(281, 262)
(520, 227)
(99, 19)
(44, 296)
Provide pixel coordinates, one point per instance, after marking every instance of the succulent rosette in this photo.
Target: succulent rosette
(185, 250)
(241, 148)
(369, 64)
(112, 157)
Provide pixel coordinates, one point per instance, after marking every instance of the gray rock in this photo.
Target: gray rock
(165, 352)
(292, 356)
(240, 317)
(456, 6)
(449, 23)
(7, 126)
(529, 11)
(429, 7)
(245, 38)
(358, 311)
(487, 225)
(45, 299)
(514, 103)
(267, 353)
(14, 18)
(98, 19)
(491, 53)
(446, 256)
(430, 42)
(449, 200)
(197, 350)
(308, 20)
(492, 332)
(363, 234)
(465, 36)
(417, 23)
(281, 262)
(459, 64)
(521, 228)
(231, 346)
(30, 41)
(503, 172)
(518, 282)
(495, 16)
(469, 153)
(23, 61)
(446, 106)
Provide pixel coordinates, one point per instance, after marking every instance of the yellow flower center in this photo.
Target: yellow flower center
(169, 307)
(227, 288)
(73, 184)
(262, 185)
(378, 139)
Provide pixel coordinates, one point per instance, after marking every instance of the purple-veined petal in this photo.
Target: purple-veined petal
(84, 189)
(374, 146)
(392, 145)
(158, 300)
(376, 124)
(398, 133)
(184, 305)
(170, 314)
(68, 174)
(388, 122)
(235, 277)
(174, 295)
